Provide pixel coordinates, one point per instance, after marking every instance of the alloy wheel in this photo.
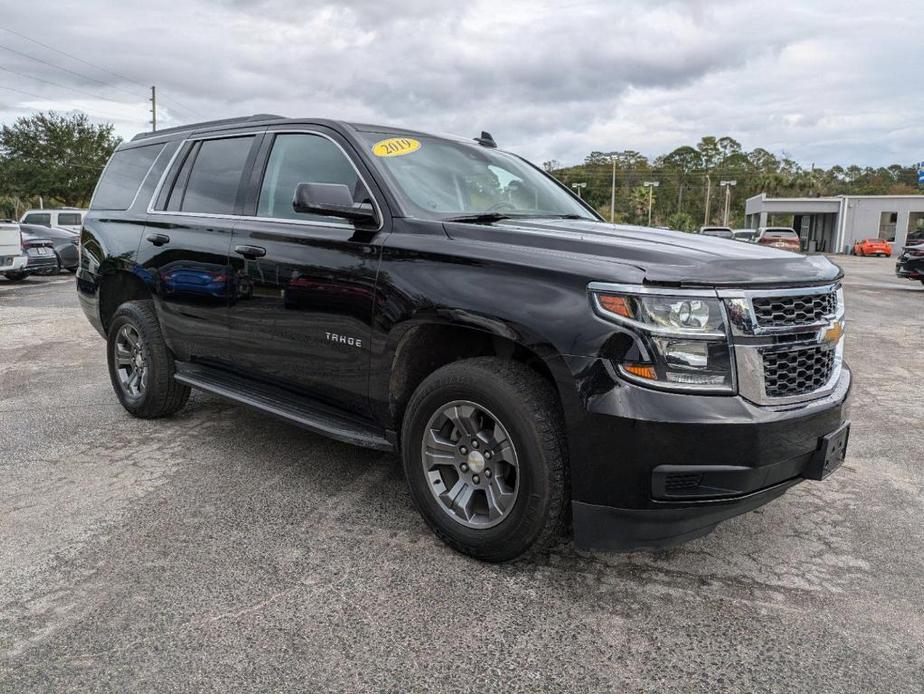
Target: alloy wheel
(470, 464)
(131, 361)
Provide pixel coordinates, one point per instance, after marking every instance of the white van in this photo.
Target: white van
(66, 217)
(12, 259)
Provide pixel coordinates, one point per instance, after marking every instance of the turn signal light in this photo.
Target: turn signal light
(641, 370)
(616, 304)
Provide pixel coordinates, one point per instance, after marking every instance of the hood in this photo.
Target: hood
(665, 257)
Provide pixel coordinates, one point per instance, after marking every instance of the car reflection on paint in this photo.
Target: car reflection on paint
(319, 294)
(194, 280)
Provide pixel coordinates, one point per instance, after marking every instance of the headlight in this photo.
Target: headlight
(680, 335)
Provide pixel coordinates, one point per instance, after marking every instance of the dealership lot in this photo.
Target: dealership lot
(224, 549)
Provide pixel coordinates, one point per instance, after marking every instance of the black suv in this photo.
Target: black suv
(440, 298)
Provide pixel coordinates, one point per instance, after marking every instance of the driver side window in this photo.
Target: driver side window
(304, 158)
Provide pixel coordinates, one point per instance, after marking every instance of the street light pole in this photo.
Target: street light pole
(650, 185)
(577, 187)
(613, 195)
(727, 185)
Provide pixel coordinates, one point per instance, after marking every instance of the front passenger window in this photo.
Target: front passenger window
(303, 158)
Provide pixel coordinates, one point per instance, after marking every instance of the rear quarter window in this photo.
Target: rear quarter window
(69, 219)
(39, 218)
(122, 179)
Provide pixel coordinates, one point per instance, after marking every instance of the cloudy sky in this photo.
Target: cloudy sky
(824, 81)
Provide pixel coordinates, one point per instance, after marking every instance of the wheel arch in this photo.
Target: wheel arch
(117, 287)
(422, 347)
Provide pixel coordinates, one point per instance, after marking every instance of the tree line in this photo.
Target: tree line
(59, 158)
(689, 175)
(52, 156)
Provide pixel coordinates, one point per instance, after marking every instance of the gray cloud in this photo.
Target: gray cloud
(826, 81)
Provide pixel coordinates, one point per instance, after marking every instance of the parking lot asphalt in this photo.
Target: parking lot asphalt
(225, 550)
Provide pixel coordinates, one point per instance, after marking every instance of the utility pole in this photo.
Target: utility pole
(613, 194)
(708, 194)
(577, 187)
(153, 108)
(728, 186)
(650, 185)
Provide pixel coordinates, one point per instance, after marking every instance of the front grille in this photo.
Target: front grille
(791, 311)
(797, 371)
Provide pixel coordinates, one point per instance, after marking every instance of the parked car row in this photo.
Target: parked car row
(28, 249)
(910, 264)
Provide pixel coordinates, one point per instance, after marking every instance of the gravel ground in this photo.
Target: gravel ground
(222, 549)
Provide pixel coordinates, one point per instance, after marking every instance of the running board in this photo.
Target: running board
(319, 418)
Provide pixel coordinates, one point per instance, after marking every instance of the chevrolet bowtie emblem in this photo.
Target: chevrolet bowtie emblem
(833, 334)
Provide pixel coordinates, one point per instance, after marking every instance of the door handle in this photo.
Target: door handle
(158, 239)
(250, 251)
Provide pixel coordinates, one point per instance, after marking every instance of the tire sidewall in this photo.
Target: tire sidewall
(124, 316)
(526, 520)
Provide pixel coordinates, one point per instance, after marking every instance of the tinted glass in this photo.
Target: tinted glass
(69, 218)
(122, 178)
(216, 176)
(298, 158)
(780, 234)
(44, 219)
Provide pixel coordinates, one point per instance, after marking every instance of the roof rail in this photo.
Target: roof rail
(207, 124)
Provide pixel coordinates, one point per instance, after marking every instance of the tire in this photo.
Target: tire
(16, 276)
(528, 411)
(155, 392)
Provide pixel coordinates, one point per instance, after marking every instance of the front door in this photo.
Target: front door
(302, 315)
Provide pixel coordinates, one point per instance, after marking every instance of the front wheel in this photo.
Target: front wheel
(16, 276)
(485, 458)
(141, 366)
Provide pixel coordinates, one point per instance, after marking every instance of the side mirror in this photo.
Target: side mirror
(332, 200)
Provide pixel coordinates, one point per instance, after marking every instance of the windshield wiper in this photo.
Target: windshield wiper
(479, 218)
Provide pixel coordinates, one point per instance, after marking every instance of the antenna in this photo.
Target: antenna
(486, 140)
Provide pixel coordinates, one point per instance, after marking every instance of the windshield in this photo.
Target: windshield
(441, 179)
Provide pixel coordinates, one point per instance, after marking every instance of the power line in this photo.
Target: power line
(85, 62)
(45, 98)
(62, 86)
(57, 67)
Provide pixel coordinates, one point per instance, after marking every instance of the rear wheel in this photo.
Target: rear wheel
(484, 456)
(141, 367)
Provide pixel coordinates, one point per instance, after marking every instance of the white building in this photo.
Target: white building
(832, 225)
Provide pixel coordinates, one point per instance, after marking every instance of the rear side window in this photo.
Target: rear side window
(40, 218)
(69, 219)
(121, 179)
(214, 176)
(303, 158)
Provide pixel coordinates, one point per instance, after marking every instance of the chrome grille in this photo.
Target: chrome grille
(797, 371)
(791, 311)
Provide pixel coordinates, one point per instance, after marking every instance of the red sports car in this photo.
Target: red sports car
(872, 247)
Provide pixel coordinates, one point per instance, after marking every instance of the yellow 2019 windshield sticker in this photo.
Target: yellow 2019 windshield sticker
(395, 147)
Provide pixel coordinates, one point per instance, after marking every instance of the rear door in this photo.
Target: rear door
(305, 283)
(185, 246)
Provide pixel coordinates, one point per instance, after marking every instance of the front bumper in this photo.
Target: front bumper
(651, 469)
